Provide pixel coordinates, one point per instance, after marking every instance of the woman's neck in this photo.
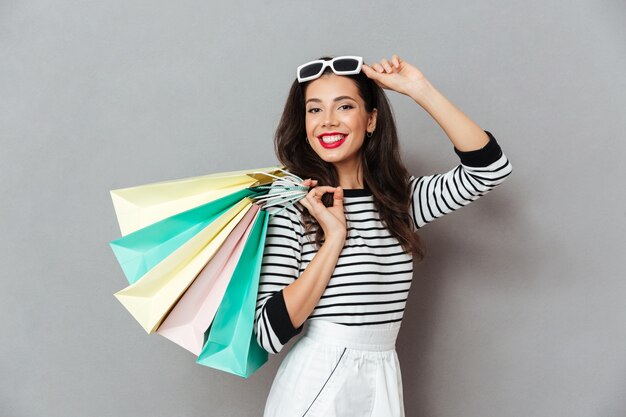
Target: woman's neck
(350, 177)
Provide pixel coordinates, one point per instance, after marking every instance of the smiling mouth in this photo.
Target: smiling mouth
(332, 141)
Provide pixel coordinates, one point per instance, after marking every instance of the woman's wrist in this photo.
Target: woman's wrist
(335, 239)
(422, 92)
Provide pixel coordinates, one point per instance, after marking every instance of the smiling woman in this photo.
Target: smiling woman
(341, 259)
(331, 102)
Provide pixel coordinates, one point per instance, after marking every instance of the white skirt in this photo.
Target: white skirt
(335, 370)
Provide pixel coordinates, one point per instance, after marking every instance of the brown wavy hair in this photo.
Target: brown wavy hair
(384, 173)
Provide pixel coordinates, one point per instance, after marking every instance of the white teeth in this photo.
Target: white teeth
(331, 139)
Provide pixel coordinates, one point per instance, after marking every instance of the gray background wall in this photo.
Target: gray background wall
(518, 309)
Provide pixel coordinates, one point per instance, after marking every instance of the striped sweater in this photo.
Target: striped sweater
(371, 280)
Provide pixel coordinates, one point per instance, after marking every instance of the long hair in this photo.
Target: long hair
(384, 173)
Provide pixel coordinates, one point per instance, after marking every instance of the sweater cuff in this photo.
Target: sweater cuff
(482, 157)
(279, 318)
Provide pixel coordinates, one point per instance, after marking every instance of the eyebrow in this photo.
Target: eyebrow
(336, 99)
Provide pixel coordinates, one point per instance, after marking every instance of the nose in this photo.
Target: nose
(330, 119)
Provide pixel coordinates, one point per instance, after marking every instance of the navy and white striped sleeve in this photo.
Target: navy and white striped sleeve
(280, 267)
(480, 170)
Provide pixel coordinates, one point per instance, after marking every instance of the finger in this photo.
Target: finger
(386, 65)
(372, 74)
(314, 194)
(325, 188)
(318, 192)
(309, 201)
(309, 183)
(378, 68)
(396, 60)
(338, 197)
(369, 71)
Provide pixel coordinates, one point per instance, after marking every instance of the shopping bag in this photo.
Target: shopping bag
(231, 345)
(139, 206)
(141, 250)
(177, 234)
(188, 321)
(153, 295)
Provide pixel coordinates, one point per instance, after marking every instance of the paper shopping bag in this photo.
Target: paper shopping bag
(189, 319)
(231, 345)
(151, 297)
(141, 250)
(139, 206)
(172, 233)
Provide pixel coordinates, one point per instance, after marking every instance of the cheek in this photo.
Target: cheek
(309, 122)
(356, 121)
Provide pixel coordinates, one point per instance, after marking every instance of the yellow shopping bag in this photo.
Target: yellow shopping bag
(142, 205)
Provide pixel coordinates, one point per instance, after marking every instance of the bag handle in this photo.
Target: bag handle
(290, 194)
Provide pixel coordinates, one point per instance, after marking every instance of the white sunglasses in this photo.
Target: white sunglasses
(341, 65)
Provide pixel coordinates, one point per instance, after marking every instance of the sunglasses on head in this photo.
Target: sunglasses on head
(341, 65)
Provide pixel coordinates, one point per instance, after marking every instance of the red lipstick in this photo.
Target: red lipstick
(334, 144)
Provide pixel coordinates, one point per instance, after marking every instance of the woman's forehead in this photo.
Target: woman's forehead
(330, 86)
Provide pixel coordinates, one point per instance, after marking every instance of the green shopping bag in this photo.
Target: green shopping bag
(231, 345)
(141, 250)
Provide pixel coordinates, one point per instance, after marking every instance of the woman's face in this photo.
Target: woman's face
(333, 104)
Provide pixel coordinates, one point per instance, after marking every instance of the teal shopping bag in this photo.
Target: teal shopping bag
(231, 345)
(141, 250)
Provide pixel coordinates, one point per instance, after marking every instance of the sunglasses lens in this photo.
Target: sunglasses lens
(310, 70)
(346, 64)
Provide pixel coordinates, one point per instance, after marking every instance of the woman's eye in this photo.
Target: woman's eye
(312, 110)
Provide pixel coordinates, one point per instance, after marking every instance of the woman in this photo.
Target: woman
(341, 258)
